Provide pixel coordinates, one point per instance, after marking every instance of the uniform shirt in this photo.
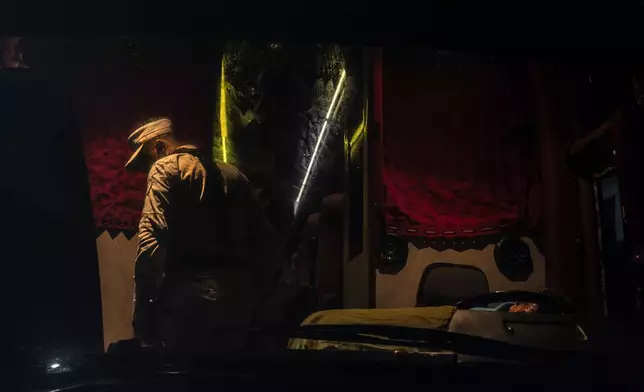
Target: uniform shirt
(195, 219)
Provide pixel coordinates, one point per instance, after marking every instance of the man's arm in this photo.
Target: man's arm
(149, 268)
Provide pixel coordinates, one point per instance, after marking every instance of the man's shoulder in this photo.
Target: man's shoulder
(165, 166)
(176, 163)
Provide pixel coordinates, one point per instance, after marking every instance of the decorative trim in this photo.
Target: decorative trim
(458, 244)
(113, 232)
(448, 233)
(129, 234)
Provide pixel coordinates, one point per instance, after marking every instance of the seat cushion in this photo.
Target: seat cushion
(428, 317)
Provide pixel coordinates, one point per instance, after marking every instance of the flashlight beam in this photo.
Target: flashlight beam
(319, 141)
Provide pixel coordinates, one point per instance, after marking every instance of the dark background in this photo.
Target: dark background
(607, 33)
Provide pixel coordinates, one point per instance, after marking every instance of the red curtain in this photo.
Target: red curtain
(450, 166)
(111, 104)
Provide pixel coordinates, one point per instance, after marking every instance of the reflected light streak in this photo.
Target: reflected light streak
(358, 135)
(319, 141)
(357, 139)
(223, 119)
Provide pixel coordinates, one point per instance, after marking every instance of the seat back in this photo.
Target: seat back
(446, 284)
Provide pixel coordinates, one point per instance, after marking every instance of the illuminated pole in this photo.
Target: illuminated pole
(319, 141)
(223, 119)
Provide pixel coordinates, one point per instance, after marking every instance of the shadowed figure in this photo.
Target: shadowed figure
(206, 257)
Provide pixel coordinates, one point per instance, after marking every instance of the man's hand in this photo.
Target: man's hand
(149, 275)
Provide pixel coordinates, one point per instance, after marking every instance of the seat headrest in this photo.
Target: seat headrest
(447, 284)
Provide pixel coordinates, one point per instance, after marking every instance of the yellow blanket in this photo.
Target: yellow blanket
(428, 317)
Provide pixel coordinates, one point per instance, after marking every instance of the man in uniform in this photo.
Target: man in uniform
(205, 254)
